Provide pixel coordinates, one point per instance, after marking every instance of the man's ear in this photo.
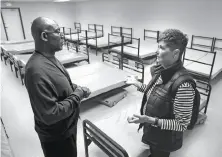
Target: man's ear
(176, 53)
(44, 36)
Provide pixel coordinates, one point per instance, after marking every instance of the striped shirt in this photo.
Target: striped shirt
(183, 105)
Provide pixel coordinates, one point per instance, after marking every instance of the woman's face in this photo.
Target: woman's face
(165, 54)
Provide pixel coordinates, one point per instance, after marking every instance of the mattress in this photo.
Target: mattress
(205, 69)
(98, 77)
(15, 42)
(74, 37)
(73, 31)
(63, 56)
(145, 50)
(103, 42)
(27, 47)
(83, 36)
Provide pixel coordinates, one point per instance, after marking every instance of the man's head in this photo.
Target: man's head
(172, 44)
(46, 34)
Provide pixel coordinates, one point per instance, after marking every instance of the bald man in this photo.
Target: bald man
(55, 100)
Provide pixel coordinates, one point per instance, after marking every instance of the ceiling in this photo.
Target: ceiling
(39, 0)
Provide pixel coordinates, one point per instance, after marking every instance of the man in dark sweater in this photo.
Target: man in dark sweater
(55, 100)
(168, 99)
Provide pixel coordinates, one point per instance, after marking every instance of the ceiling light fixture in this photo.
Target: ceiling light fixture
(61, 0)
(8, 4)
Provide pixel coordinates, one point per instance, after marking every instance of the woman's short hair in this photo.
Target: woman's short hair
(175, 39)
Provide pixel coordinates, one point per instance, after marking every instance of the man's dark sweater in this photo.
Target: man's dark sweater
(54, 103)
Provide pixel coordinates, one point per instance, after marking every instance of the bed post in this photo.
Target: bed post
(144, 35)
(138, 49)
(121, 31)
(212, 65)
(131, 32)
(121, 55)
(192, 41)
(158, 34)
(95, 29)
(87, 45)
(108, 41)
(213, 44)
(208, 98)
(111, 29)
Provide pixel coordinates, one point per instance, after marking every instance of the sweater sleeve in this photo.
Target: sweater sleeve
(47, 106)
(183, 105)
(142, 88)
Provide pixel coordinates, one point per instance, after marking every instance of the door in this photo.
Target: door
(3, 35)
(13, 24)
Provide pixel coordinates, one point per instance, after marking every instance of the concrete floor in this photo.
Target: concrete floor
(17, 115)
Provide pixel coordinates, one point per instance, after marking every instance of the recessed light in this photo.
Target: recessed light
(61, 0)
(8, 4)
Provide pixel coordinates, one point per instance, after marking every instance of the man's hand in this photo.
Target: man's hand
(132, 80)
(86, 91)
(141, 119)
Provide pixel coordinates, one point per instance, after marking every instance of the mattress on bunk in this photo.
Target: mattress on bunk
(103, 42)
(14, 49)
(82, 36)
(22, 59)
(145, 51)
(124, 132)
(15, 42)
(98, 77)
(75, 37)
(205, 69)
(64, 56)
(74, 31)
(93, 34)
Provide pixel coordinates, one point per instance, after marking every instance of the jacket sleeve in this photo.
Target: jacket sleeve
(47, 106)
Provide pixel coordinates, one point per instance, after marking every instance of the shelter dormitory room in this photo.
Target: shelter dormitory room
(111, 51)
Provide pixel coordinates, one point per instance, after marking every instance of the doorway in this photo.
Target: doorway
(12, 24)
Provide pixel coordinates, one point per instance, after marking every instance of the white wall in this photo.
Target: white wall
(63, 13)
(199, 17)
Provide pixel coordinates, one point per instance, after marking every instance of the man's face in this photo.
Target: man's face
(165, 55)
(55, 38)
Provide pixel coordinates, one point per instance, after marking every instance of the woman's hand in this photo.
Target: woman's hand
(141, 119)
(132, 80)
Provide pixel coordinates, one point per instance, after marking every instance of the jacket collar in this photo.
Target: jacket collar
(167, 74)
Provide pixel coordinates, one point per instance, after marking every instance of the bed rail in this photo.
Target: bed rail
(147, 35)
(196, 74)
(93, 134)
(202, 43)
